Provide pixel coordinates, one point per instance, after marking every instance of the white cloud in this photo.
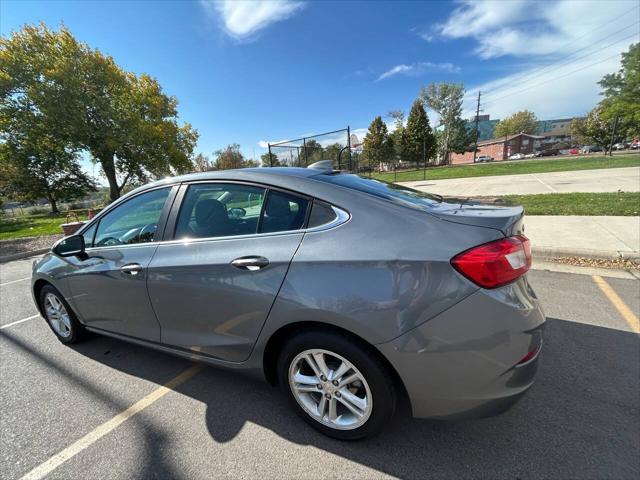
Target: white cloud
(565, 59)
(567, 89)
(265, 143)
(524, 28)
(418, 68)
(242, 20)
(427, 37)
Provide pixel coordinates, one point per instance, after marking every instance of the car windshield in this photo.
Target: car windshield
(389, 191)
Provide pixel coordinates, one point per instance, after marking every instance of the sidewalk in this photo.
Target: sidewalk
(626, 179)
(603, 237)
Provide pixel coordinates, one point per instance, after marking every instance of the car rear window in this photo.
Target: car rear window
(388, 191)
(321, 214)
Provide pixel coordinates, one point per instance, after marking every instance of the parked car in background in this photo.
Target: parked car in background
(265, 270)
(517, 156)
(635, 144)
(484, 158)
(574, 151)
(590, 149)
(549, 152)
(530, 155)
(620, 146)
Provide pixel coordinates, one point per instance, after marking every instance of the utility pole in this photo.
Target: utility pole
(613, 135)
(475, 143)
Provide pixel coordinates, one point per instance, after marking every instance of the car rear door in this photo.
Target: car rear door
(108, 285)
(213, 286)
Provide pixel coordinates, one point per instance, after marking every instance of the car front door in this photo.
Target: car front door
(108, 286)
(213, 286)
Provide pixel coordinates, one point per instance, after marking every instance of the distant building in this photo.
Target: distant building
(485, 126)
(501, 148)
(557, 130)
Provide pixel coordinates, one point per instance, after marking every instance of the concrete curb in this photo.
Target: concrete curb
(549, 253)
(18, 256)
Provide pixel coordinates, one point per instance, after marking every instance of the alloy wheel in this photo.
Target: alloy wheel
(57, 315)
(330, 389)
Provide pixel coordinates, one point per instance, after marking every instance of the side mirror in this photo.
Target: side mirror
(70, 246)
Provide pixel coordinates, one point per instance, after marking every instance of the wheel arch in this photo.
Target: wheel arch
(38, 285)
(279, 337)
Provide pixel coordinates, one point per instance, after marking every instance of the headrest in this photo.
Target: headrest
(210, 211)
(278, 206)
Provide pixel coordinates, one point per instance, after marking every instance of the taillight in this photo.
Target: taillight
(496, 263)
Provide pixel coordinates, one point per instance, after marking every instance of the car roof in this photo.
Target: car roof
(276, 176)
(250, 172)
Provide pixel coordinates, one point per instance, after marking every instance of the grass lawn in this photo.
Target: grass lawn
(615, 203)
(516, 167)
(31, 225)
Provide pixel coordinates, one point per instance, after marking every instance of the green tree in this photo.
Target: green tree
(40, 167)
(332, 151)
(125, 121)
(266, 160)
(621, 93)
(446, 100)
(229, 158)
(595, 128)
(35, 160)
(376, 144)
(202, 163)
(523, 121)
(399, 135)
(420, 142)
(460, 139)
(310, 152)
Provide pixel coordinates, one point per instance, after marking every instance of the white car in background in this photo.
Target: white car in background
(517, 156)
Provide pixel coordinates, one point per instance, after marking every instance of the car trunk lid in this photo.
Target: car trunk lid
(490, 213)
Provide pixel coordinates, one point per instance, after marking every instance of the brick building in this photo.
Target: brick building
(500, 148)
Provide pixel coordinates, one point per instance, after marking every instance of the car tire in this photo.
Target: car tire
(60, 317)
(371, 396)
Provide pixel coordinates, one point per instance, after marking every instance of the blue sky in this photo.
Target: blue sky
(251, 72)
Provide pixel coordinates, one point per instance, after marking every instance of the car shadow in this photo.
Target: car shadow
(580, 420)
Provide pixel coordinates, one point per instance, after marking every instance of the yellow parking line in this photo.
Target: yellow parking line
(630, 317)
(72, 450)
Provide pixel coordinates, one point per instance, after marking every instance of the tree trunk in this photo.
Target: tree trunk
(54, 205)
(109, 169)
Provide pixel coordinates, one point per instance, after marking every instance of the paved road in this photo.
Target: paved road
(581, 419)
(605, 180)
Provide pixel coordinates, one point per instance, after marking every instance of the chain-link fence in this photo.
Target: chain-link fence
(302, 152)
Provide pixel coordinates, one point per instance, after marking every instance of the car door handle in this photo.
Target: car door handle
(131, 268)
(250, 263)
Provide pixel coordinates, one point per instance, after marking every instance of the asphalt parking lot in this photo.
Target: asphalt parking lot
(580, 420)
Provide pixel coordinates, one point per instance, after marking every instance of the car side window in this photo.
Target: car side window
(283, 212)
(88, 235)
(219, 210)
(321, 214)
(135, 221)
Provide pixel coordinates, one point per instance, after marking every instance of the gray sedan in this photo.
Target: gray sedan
(348, 293)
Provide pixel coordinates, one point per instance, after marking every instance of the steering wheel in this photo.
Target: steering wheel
(108, 242)
(237, 213)
(149, 228)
